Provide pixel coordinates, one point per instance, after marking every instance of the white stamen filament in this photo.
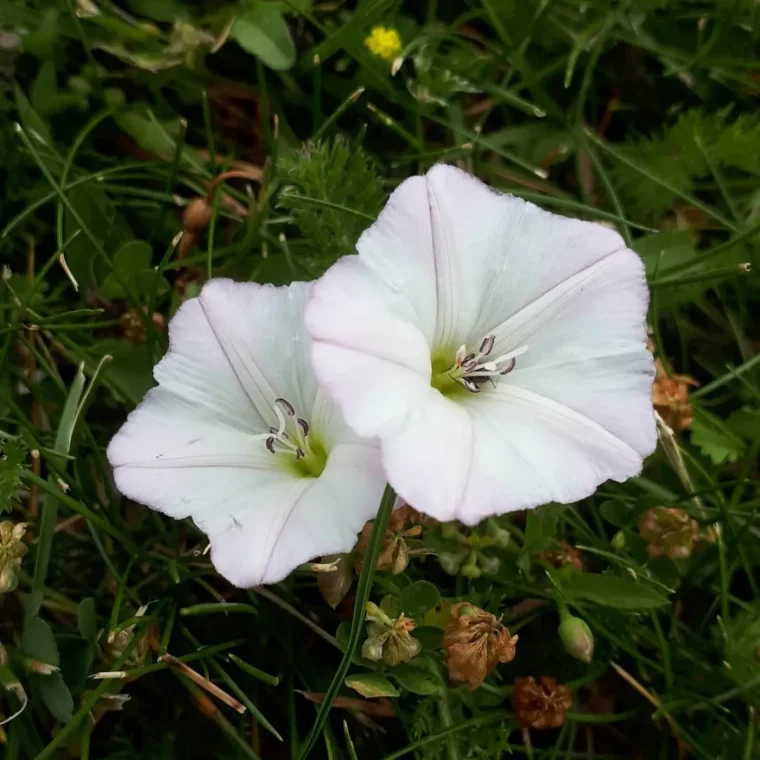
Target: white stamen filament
(470, 370)
(279, 440)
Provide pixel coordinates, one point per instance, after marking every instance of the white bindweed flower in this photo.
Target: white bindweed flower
(237, 436)
(498, 351)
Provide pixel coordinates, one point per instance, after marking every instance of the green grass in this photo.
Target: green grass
(639, 114)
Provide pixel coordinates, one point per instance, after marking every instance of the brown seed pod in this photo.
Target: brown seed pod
(197, 215)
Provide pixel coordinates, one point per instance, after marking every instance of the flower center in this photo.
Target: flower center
(471, 370)
(293, 443)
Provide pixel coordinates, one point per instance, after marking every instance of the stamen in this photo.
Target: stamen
(286, 406)
(280, 441)
(472, 372)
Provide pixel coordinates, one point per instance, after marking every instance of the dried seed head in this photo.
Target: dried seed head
(394, 554)
(133, 325)
(391, 640)
(669, 531)
(540, 705)
(12, 550)
(474, 643)
(564, 555)
(670, 396)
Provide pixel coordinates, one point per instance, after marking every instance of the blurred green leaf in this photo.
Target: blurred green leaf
(38, 641)
(714, 438)
(12, 458)
(415, 680)
(418, 598)
(540, 529)
(611, 591)
(132, 262)
(262, 31)
(55, 695)
(87, 619)
(130, 371)
(371, 685)
(616, 513)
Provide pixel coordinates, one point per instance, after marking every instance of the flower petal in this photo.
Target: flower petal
(587, 349)
(196, 370)
(428, 461)
(317, 517)
(260, 330)
(195, 446)
(499, 253)
(179, 457)
(509, 449)
(367, 352)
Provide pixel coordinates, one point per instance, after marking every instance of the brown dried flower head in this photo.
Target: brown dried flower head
(564, 555)
(12, 550)
(394, 554)
(540, 705)
(389, 640)
(669, 531)
(474, 643)
(670, 396)
(133, 325)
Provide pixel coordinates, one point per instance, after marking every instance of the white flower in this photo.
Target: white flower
(497, 350)
(237, 436)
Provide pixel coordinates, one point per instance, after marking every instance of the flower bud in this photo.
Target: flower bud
(470, 569)
(501, 537)
(450, 562)
(450, 530)
(576, 636)
(618, 541)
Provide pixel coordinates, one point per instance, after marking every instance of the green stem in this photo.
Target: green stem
(362, 597)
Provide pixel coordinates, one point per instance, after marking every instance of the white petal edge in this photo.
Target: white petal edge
(322, 516)
(513, 450)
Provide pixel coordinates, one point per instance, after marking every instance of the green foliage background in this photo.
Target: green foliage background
(115, 114)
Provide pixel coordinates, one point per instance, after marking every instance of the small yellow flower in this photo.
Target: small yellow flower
(383, 42)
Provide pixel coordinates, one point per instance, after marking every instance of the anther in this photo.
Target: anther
(509, 367)
(304, 425)
(487, 345)
(286, 406)
(270, 444)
